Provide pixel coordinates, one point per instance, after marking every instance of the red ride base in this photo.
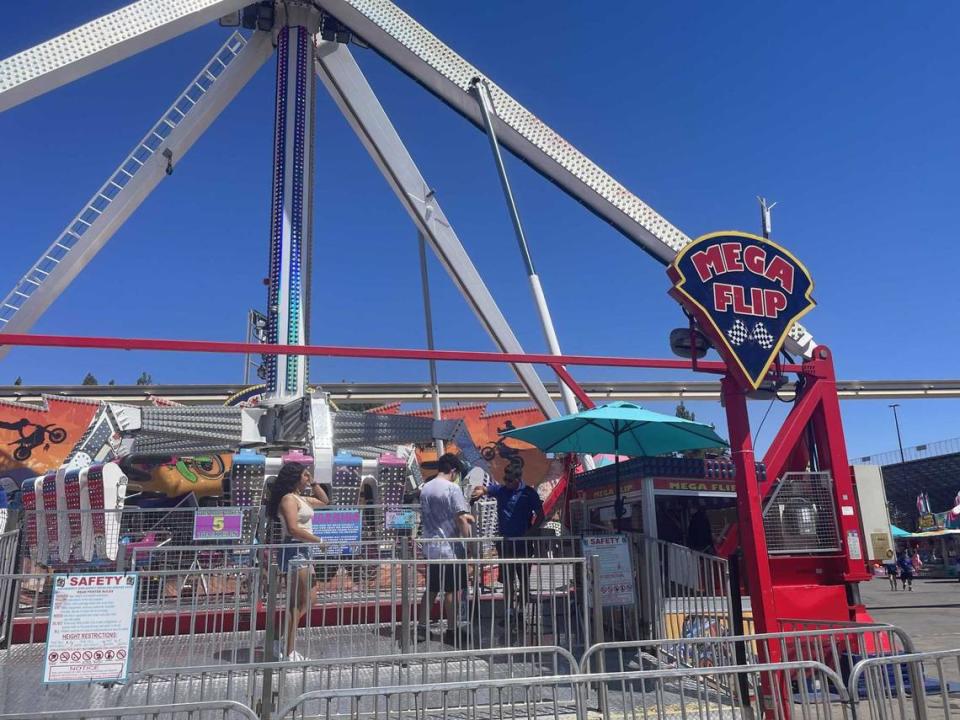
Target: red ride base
(815, 587)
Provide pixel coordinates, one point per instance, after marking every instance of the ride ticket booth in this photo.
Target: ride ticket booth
(689, 502)
(677, 511)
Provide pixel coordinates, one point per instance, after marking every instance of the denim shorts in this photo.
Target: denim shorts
(292, 553)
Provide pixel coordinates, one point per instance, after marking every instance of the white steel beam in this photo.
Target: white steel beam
(164, 145)
(474, 392)
(416, 51)
(342, 77)
(102, 42)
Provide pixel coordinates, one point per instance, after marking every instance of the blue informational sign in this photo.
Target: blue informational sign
(400, 519)
(339, 530)
(746, 292)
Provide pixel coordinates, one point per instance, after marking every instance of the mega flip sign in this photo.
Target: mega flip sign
(746, 292)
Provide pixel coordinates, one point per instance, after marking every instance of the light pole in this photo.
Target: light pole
(896, 422)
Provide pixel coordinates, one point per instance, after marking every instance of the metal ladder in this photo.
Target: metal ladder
(95, 207)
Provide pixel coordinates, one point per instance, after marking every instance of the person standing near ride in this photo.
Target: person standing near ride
(906, 571)
(519, 512)
(294, 510)
(916, 561)
(445, 516)
(890, 565)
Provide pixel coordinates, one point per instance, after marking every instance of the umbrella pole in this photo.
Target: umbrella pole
(618, 508)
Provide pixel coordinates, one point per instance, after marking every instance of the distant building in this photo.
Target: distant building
(933, 468)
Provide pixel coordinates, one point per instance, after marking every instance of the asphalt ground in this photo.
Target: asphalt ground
(930, 614)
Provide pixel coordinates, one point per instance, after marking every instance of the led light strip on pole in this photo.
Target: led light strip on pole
(291, 208)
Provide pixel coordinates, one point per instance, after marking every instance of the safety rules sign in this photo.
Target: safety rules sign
(615, 581)
(91, 624)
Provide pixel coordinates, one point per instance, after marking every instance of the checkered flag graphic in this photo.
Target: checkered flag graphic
(738, 333)
(762, 336)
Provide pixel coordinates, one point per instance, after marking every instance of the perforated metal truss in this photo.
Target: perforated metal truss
(421, 54)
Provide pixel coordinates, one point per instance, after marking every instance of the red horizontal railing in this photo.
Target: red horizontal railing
(210, 346)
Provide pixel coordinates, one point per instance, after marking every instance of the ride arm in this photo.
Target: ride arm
(341, 76)
(409, 46)
(102, 42)
(137, 176)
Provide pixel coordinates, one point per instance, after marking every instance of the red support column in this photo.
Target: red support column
(832, 454)
(753, 540)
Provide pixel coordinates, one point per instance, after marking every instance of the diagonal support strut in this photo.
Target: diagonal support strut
(344, 80)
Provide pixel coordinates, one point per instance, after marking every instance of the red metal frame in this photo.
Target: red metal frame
(822, 579)
(753, 539)
(799, 585)
(109, 343)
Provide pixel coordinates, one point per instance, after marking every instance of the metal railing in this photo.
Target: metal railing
(180, 617)
(364, 606)
(8, 562)
(441, 685)
(705, 693)
(914, 452)
(68, 544)
(838, 649)
(287, 680)
(679, 592)
(683, 592)
(898, 688)
(176, 711)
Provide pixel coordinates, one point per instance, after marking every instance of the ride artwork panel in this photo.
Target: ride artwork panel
(34, 439)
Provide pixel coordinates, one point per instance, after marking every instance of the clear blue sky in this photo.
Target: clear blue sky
(842, 113)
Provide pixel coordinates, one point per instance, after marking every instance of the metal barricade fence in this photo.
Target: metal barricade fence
(78, 540)
(915, 686)
(378, 607)
(679, 592)
(702, 693)
(213, 619)
(177, 711)
(287, 680)
(75, 540)
(8, 560)
(838, 649)
(685, 593)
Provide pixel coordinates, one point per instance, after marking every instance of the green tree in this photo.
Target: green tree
(111, 382)
(145, 378)
(683, 413)
(89, 380)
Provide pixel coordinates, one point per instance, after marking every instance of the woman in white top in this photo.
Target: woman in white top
(295, 513)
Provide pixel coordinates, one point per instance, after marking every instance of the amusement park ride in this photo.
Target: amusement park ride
(311, 39)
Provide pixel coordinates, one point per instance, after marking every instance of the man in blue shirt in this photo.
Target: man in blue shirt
(519, 512)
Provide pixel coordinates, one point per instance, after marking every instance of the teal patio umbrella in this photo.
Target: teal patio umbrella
(619, 427)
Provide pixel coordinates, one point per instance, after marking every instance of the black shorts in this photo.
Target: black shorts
(448, 578)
